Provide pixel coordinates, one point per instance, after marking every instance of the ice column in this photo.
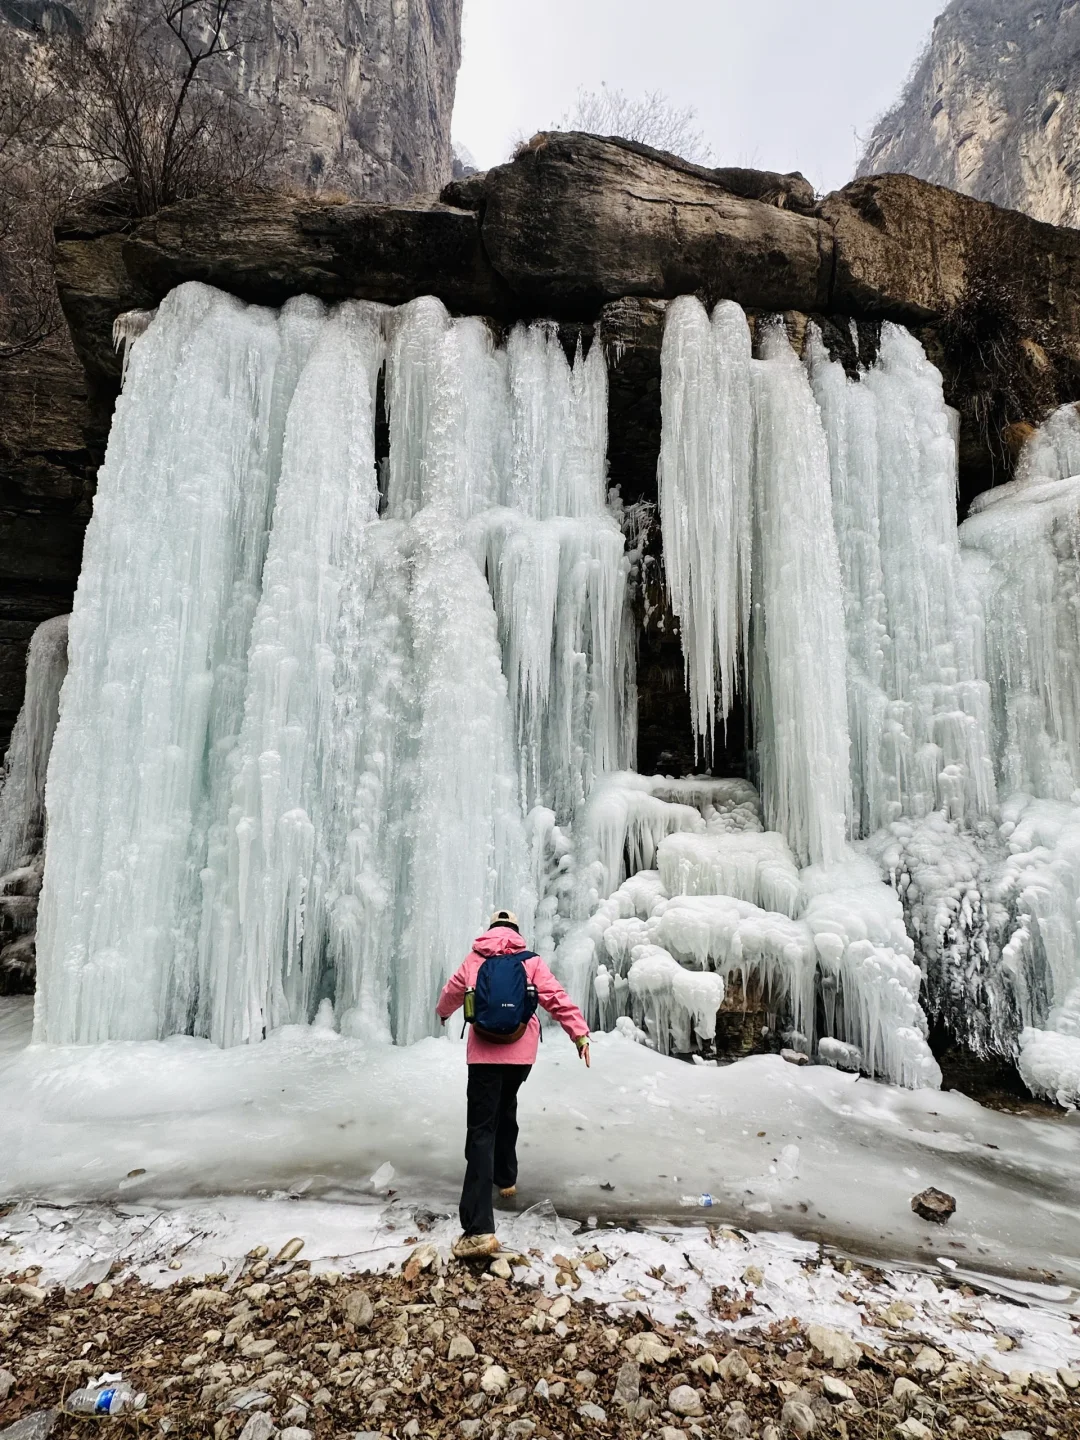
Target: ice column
(270, 864)
(461, 815)
(556, 562)
(704, 479)
(1022, 547)
(917, 699)
(22, 798)
(188, 471)
(799, 662)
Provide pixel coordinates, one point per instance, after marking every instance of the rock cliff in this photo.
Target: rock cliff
(363, 90)
(597, 234)
(993, 108)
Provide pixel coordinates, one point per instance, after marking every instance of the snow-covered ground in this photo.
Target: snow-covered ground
(676, 1273)
(807, 1150)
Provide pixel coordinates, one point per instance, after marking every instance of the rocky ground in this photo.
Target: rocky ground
(436, 1348)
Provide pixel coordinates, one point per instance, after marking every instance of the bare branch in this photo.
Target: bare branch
(651, 119)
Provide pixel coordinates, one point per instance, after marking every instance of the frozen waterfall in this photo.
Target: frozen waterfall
(290, 767)
(332, 696)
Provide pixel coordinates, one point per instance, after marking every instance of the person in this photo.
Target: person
(496, 1073)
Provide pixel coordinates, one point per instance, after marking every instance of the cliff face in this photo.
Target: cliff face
(364, 91)
(993, 108)
(365, 88)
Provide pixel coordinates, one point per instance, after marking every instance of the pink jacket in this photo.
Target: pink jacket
(504, 941)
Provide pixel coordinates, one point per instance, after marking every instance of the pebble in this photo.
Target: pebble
(647, 1349)
(738, 1426)
(540, 1390)
(733, 1366)
(913, 1429)
(289, 1250)
(295, 1415)
(933, 1205)
(560, 1307)
(794, 1057)
(494, 1380)
(586, 1379)
(257, 1292)
(104, 1291)
(628, 1383)
(836, 1389)
(589, 1411)
(668, 1432)
(294, 1432)
(928, 1361)
(685, 1400)
(955, 1373)
(468, 1428)
(1070, 1379)
(798, 1417)
(461, 1348)
(411, 1429)
(359, 1309)
(257, 1348)
(905, 1390)
(7, 1382)
(259, 1427)
(501, 1268)
(1014, 1435)
(752, 1275)
(839, 1349)
(519, 1429)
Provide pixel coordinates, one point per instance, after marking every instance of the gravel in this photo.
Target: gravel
(455, 1351)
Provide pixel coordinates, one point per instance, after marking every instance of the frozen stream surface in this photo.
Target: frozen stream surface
(287, 1131)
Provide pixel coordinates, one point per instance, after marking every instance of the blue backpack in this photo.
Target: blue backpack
(503, 1002)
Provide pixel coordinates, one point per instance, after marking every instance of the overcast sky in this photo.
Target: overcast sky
(777, 84)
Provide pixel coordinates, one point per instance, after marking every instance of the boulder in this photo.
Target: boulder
(575, 221)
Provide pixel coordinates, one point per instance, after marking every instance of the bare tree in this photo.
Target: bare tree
(148, 105)
(33, 189)
(140, 99)
(650, 119)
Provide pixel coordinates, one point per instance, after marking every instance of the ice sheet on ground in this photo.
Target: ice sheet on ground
(298, 1111)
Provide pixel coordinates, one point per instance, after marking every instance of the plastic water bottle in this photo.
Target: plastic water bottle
(705, 1199)
(113, 1398)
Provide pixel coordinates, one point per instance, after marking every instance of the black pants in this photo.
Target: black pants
(491, 1142)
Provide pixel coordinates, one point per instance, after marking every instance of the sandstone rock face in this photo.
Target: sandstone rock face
(993, 108)
(45, 491)
(365, 88)
(575, 221)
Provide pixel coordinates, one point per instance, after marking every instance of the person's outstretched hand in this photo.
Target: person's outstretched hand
(582, 1043)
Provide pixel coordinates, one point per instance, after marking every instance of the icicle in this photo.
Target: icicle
(22, 796)
(126, 329)
(917, 699)
(800, 676)
(704, 480)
